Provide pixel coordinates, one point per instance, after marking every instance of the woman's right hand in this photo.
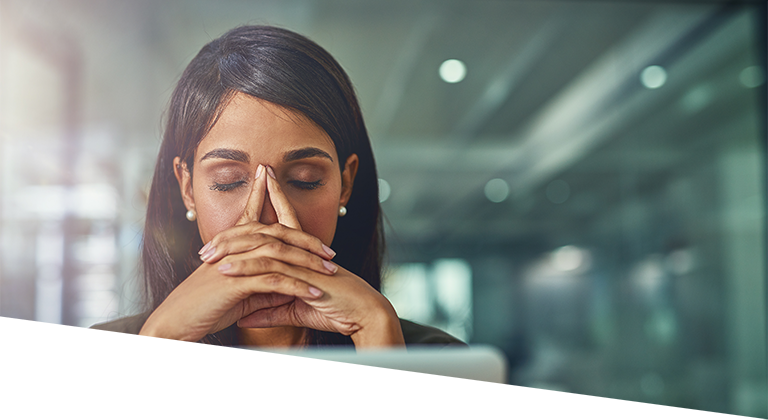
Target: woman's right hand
(208, 301)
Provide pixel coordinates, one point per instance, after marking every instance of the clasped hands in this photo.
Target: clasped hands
(276, 275)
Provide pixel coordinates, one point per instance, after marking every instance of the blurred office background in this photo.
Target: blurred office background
(581, 184)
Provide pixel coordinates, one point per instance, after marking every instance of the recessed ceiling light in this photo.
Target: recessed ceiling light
(653, 77)
(453, 71)
(568, 258)
(496, 190)
(752, 76)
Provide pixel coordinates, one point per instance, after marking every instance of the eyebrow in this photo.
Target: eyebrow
(304, 153)
(240, 156)
(229, 154)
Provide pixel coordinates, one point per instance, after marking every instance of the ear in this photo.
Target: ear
(185, 182)
(348, 178)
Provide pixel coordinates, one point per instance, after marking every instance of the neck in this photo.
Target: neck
(272, 337)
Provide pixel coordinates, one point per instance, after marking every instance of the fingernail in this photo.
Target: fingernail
(315, 292)
(331, 253)
(259, 170)
(208, 254)
(204, 248)
(225, 267)
(271, 172)
(330, 266)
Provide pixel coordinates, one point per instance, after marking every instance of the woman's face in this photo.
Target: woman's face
(250, 132)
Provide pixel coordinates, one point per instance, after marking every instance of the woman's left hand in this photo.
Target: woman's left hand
(349, 305)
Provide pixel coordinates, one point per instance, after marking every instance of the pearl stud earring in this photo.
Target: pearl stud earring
(342, 211)
(191, 215)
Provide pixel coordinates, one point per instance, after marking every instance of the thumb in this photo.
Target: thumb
(256, 199)
(286, 214)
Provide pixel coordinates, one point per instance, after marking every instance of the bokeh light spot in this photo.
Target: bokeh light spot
(653, 77)
(496, 190)
(453, 71)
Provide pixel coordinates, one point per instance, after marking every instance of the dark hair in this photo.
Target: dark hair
(286, 69)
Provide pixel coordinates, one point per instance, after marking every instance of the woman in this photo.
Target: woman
(265, 175)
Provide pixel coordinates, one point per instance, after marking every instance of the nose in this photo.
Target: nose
(268, 215)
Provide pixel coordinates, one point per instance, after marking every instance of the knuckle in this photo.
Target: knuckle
(297, 286)
(257, 265)
(260, 237)
(316, 261)
(218, 238)
(236, 267)
(271, 230)
(244, 228)
(278, 247)
(227, 234)
(274, 279)
(222, 246)
(263, 264)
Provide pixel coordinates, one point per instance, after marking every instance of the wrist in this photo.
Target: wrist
(149, 336)
(382, 328)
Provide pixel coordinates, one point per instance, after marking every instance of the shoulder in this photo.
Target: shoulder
(421, 334)
(128, 324)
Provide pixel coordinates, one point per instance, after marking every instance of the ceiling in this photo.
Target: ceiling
(552, 92)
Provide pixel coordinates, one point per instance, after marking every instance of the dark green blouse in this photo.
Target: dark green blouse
(414, 334)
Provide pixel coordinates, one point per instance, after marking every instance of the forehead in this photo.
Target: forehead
(263, 130)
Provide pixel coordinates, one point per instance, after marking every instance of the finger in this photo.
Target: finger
(280, 316)
(292, 280)
(250, 236)
(242, 266)
(299, 239)
(260, 301)
(245, 242)
(255, 202)
(286, 215)
(275, 282)
(252, 262)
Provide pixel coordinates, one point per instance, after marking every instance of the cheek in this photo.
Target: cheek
(217, 212)
(318, 216)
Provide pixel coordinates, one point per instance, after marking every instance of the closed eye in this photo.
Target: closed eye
(306, 185)
(226, 187)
